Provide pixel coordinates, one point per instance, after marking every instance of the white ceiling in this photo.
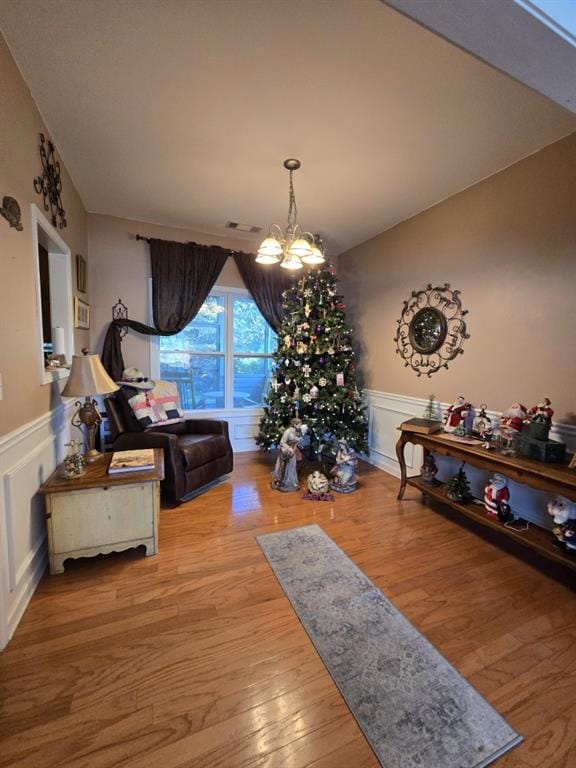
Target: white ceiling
(181, 112)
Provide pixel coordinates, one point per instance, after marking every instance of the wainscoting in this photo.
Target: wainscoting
(27, 457)
(386, 411)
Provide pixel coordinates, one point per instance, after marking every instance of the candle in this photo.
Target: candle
(58, 341)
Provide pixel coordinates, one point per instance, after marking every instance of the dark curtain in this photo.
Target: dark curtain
(183, 275)
(266, 284)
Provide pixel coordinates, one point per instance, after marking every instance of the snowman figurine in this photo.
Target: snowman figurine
(563, 513)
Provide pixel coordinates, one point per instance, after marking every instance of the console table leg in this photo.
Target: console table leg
(402, 461)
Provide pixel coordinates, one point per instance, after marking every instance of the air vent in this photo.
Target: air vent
(243, 227)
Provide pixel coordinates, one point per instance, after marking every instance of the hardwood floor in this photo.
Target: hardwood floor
(195, 659)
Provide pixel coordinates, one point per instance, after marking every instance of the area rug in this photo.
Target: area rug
(414, 708)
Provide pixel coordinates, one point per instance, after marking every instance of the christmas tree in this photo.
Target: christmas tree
(315, 376)
(458, 487)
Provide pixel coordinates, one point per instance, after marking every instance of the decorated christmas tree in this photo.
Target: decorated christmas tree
(314, 376)
(458, 487)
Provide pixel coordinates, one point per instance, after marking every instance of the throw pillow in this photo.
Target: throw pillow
(158, 406)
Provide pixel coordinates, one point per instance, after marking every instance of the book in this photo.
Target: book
(131, 461)
(423, 426)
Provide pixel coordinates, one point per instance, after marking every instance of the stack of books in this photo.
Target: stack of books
(131, 461)
(423, 426)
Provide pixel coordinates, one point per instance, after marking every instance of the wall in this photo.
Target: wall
(33, 418)
(509, 245)
(20, 125)
(120, 269)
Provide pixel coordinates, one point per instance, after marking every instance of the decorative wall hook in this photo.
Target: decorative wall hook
(11, 211)
(120, 312)
(49, 184)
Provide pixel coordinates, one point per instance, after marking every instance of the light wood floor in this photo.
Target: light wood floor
(194, 658)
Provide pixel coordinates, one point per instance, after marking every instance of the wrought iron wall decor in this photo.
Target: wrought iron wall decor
(11, 211)
(120, 312)
(49, 184)
(431, 329)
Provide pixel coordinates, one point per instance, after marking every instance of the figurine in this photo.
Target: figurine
(429, 470)
(563, 512)
(496, 497)
(511, 424)
(344, 474)
(285, 474)
(541, 420)
(514, 417)
(481, 423)
(73, 463)
(456, 413)
(318, 488)
(458, 487)
(317, 482)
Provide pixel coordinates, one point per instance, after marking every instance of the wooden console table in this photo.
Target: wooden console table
(98, 513)
(554, 478)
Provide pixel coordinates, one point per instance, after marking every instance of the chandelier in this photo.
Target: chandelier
(293, 248)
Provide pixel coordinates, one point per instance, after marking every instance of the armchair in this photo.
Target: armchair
(196, 451)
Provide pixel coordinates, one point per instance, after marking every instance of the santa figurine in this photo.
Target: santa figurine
(514, 417)
(542, 412)
(496, 497)
(456, 414)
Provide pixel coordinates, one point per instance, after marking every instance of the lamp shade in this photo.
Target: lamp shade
(88, 377)
(300, 247)
(291, 261)
(316, 257)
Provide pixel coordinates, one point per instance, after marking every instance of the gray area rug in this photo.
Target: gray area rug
(414, 708)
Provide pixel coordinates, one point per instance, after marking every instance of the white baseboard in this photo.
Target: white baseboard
(387, 410)
(28, 456)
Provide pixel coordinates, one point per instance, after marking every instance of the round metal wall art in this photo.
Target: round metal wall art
(431, 329)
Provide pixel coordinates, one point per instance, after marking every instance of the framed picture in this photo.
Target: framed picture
(81, 313)
(80, 273)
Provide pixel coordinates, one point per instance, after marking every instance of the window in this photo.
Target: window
(223, 358)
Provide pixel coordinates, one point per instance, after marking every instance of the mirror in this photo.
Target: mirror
(431, 329)
(427, 330)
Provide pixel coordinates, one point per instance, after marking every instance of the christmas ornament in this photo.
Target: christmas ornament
(322, 381)
(339, 379)
(314, 392)
(306, 397)
(331, 351)
(287, 340)
(306, 370)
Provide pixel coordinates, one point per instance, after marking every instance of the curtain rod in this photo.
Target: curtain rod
(191, 242)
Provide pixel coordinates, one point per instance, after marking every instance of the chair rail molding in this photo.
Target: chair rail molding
(28, 456)
(387, 410)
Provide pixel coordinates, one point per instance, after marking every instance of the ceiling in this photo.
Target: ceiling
(181, 112)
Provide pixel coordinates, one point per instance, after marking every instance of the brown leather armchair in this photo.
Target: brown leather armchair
(196, 451)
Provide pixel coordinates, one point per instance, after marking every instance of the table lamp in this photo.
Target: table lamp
(88, 377)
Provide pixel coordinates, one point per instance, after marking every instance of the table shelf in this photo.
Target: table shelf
(535, 538)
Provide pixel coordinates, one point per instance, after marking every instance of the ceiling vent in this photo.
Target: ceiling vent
(243, 227)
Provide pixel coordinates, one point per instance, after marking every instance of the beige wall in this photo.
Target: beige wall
(20, 125)
(509, 245)
(120, 269)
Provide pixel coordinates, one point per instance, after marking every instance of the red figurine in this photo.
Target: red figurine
(514, 417)
(496, 496)
(456, 413)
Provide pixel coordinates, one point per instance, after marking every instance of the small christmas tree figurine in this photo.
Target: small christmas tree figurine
(315, 375)
(458, 487)
(430, 410)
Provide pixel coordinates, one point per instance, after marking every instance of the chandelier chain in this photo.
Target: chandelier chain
(292, 209)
